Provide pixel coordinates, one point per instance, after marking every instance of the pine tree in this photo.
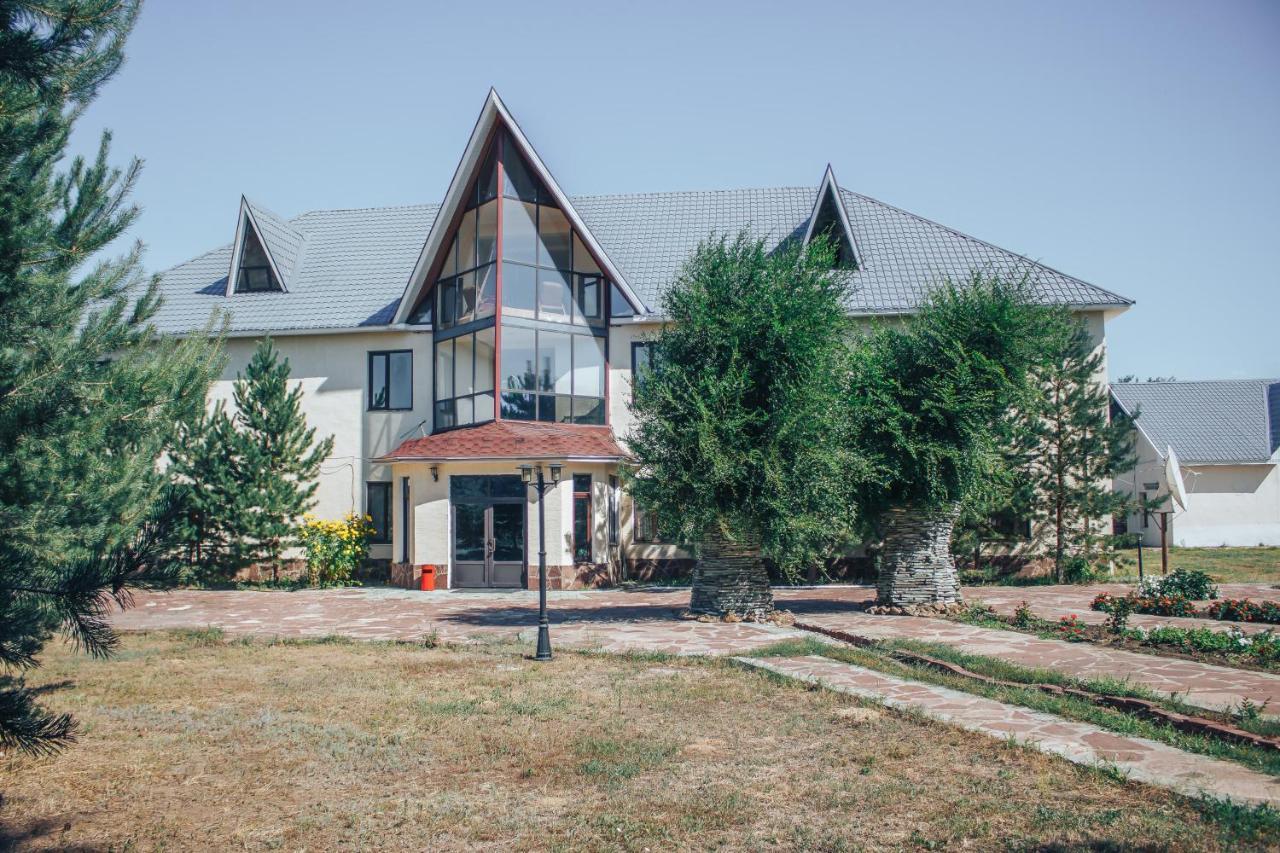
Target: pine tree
(1068, 450)
(90, 395)
(277, 459)
(738, 428)
(206, 481)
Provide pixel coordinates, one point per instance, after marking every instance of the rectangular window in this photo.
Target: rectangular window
(582, 518)
(464, 379)
(519, 232)
(613, 510)
(377, 505)
(391, 380)
(564, 371)
(641, 360)
(553, 239)
(404, 514)
(646, 523)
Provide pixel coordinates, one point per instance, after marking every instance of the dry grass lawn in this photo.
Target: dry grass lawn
(190, 742)
(1225, 565)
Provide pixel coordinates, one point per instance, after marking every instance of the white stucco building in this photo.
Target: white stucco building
(445, 344)
(1225, 436)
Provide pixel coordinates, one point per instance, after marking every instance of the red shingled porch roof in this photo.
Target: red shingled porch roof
(511, 440)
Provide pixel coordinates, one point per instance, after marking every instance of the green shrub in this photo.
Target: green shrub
(1182, 583)
(1079, 570)
(1118, 614)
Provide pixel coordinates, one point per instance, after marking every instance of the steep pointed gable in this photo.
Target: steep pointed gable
(265, 253)
(830, 217)
(532, 175)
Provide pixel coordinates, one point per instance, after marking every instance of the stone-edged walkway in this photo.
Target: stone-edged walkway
(1138, 758)
(644, 620)
(1203, 685)
(1055, 602)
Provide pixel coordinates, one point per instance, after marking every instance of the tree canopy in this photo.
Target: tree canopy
(927, 394)
(738, 420)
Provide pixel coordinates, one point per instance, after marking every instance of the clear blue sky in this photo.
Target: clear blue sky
(1135, 145)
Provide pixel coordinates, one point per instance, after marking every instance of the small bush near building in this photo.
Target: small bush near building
(335, 549)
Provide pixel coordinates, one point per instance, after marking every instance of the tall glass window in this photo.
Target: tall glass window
(515, 265)
(552, 376)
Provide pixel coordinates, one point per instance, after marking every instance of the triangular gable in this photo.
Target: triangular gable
(830, 216)
(495, 114)
(280, 243)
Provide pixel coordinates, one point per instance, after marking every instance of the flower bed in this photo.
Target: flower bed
(1155, 605)
(1244, 610)
(1227, 610)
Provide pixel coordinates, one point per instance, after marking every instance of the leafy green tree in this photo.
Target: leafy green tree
(276, 462)
(1068, 449)
(926, 397)
(90, 395)
(738, 433)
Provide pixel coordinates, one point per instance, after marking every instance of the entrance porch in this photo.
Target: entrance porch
(461, 507)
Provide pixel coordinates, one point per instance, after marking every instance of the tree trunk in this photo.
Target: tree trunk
(916, 566)
(730, 577)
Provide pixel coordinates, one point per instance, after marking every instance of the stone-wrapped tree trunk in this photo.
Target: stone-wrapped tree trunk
(730, 577)
(916, 566)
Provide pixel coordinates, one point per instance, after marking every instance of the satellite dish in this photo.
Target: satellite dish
(1173, 476)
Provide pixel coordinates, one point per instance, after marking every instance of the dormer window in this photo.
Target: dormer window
(830, 219)
(265, 251)
(255, 274)
(828, 224)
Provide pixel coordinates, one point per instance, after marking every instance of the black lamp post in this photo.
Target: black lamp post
(529, 478)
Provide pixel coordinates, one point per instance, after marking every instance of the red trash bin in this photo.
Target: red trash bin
(428, 582)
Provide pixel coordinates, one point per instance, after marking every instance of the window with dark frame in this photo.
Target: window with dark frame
(254, 275)
(582, 518)
(641, 360)
(377, 505)
(391, 380)
(613, 510)
(646, 524)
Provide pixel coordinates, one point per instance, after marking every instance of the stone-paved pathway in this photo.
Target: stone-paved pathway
(1204, 685)
(1055, 602)
(1141, 759)
(644, 620)
(609, 620)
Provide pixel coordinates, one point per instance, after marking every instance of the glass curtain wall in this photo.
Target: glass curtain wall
(542, 332)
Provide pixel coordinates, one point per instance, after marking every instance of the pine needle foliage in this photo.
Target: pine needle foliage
(274, 461)
(739, 423)
(90, 396)
(1067, 449)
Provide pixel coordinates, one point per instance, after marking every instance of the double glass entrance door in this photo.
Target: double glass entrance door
(488, 533)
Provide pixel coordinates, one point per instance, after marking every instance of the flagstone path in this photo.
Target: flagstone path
(1138, 758)
(1055, 602)
(1204, 685)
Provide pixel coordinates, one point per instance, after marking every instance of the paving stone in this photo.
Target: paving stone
(1204, 685)
(1140, 759)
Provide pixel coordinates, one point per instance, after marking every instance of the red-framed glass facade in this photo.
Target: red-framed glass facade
(519, 307)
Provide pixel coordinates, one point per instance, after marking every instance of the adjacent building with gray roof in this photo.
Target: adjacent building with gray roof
(1225, 439)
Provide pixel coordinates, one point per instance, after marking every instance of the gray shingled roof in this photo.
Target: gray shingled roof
(1216, 421)
(350, 267)
(282, 240)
